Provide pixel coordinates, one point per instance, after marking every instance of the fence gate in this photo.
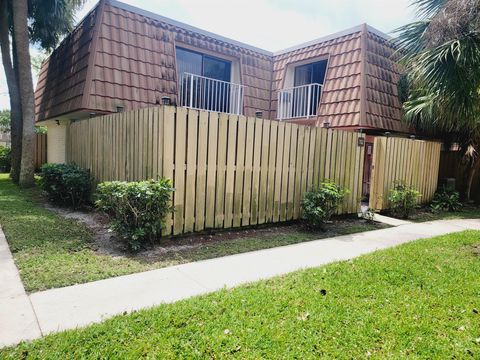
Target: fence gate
(414, 162)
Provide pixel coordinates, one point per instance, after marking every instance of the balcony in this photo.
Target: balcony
(203, 93)
(299, 101)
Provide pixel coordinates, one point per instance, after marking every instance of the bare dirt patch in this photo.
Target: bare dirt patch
(108, 243)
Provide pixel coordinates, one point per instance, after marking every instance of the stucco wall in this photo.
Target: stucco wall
(56, 142)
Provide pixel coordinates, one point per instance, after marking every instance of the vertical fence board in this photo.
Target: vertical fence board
(257, 153)
(211, 170)
(179, 175)
(272, 151)
(239, 172)
(221, 171)
(230, 176)
(292, 171)
(285, 172)
(262, 198)
(200, 192)
(247, 186)
(298, 172)
(278, 171)
(168, 141)
(191, 145)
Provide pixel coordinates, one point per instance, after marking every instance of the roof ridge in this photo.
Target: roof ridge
(180, 24)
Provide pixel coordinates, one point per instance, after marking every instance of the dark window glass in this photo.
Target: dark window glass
(305, 99)
(216, 69)
(313, 73)
(204, 92)
(189, 62)
(204, 65)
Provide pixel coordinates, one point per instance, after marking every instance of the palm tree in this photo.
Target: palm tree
(441, 58)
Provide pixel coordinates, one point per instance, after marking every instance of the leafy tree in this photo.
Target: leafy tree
(41, 22)
(441, 56)
(5, 120)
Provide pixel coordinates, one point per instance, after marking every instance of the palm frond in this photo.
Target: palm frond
(428, 8)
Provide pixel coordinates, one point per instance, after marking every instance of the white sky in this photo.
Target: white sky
(269, 24)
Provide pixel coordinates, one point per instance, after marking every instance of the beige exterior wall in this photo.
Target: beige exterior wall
(56, 142)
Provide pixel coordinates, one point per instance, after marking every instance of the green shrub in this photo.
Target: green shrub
(5, 159)
(66, 184)
(321, 203)
(446, 199)
(403, 199)
(137, 210)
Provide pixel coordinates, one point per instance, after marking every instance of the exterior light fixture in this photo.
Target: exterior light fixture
(326, 124)
(361, 141)
(57, 122)
(258, 114)
(388, 133)
(92, 114)
(412, 137)
(120, 109)
(166, 100)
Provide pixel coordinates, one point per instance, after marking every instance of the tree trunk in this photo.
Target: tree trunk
(20, 31)
(472, 170)
(12, 83)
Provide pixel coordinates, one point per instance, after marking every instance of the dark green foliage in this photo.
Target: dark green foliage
(66, 184)
(321, 203)
(5, 120)
(446, 200)
(403, 199)
(137, 209)
(5, 159)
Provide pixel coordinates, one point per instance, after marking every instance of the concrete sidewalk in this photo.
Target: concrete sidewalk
(80, 305)
(17, 317)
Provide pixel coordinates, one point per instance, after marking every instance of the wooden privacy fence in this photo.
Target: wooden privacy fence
(414, 162)
(227, 170)
(40, 150)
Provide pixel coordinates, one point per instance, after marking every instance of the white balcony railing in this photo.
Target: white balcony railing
(299, 101)
(203, 93)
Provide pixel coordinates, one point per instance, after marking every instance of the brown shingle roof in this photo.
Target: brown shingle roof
(383, 108)
(61, 81)
(124, 56)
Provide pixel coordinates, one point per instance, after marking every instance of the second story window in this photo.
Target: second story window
(205, 83)
(302, 100)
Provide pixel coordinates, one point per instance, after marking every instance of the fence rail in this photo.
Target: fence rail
(203, 93)
(227, 170)
(414, 162)
(299, 101)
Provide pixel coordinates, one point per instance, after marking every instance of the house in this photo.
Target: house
(5, 139)
(121, 58)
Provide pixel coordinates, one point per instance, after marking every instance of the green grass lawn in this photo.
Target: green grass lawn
(419, 300)
(51, 251)
(467, 212)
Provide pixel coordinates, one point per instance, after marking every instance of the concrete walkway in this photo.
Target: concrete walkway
(81, 305)
(17, 317)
